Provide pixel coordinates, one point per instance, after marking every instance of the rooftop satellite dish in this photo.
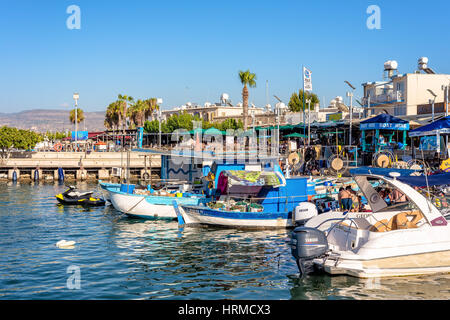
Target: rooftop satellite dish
(224, 97)
(207, 104)
(280, 105)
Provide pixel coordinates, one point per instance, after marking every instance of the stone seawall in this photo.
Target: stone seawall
(79, 165)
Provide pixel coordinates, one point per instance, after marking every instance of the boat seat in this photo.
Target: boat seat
(397, 222)
(76, 194)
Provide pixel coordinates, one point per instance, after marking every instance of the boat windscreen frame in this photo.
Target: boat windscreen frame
(374, 200)
(432, 215)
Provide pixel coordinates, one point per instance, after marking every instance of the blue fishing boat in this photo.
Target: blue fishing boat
(249, 200)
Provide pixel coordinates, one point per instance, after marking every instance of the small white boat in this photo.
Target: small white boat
(406, 238)
(149, 206)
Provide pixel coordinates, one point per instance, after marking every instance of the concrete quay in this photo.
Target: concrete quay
(80, 165)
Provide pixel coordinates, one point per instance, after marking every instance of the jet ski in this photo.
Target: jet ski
(73, 197)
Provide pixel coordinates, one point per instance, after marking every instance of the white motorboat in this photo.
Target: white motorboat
(394, 239)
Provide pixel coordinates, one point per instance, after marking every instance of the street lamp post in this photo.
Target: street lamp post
(308, 101)
(76, 96)
(350, 94)
(279, 107)
(159, 101)
(432, 103)
(446, 90)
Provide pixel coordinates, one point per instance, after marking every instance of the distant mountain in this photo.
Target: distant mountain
(51, 120)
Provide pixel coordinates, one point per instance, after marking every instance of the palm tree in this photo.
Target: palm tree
(80, 115)
(137, 113)
(247, 78)
(124, 100)
(151, 105)
(113, 116)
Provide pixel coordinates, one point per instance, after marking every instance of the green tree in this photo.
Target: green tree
(296, 102)
(150, 106)
(124, 100)
(80, 116)
(17, 138)
(113, 116)
(230, 124)
(7, 138)
(137, 112)
(153, 127)
(247, 79)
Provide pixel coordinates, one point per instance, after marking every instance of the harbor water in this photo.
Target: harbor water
(116, 257)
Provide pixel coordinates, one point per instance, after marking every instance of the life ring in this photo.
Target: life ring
(57, 147)
(146, 176)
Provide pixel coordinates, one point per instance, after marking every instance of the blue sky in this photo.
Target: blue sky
(192, 50)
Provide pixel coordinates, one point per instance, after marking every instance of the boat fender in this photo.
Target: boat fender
(14, 176)
(178, 212)
(60, 174)
(36, 175)
(64, 244)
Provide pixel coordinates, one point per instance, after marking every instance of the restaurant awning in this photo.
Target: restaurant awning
(440, 127)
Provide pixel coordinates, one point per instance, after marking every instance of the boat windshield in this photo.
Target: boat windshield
(384, 196)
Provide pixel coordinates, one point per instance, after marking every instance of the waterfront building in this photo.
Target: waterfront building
(219, 111)
(408, 95)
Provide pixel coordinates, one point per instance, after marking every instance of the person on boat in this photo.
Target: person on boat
(386, 195)
(345, 199)
(355, 206)
(397, 196)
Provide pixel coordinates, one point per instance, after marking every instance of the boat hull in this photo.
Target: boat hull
(105, 186)
(147, 207)
(406, 252)
(415, 264)
(196, 215)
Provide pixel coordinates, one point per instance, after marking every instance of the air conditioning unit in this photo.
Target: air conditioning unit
(116, 172)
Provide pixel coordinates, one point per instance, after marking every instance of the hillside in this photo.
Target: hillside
(54, 120)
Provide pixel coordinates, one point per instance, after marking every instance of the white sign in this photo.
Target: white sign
(307, 81)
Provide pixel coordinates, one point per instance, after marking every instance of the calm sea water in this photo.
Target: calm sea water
(123, 258)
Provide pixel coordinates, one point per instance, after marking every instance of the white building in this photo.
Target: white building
(408, 94)
(216, 112)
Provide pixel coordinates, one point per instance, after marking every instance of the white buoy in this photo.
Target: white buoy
(64, 244)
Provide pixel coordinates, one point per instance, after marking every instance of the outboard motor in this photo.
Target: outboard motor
(307, 244)
(303, 212)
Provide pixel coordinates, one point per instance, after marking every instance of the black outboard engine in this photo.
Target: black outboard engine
(307, 244)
